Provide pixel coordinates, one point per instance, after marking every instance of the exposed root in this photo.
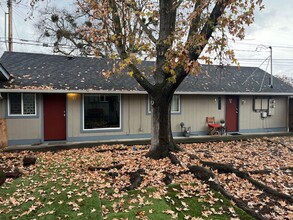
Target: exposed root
(174, 160)
(209, 177)
(193, 157)
(278, 142)
(2, 177)
(227, 168)
(285, 169)
(159, 152)
(13, 173)
(136, 179)
(118, 166)
(111, 150)
(175, 148)
(168, 178)
(29, 160)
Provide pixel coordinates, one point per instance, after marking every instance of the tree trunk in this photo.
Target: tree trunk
(162, 141)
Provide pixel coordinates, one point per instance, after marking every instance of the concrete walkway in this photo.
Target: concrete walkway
(55, 146)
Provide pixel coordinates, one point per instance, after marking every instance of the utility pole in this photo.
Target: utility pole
(271, 55)
(10, 43)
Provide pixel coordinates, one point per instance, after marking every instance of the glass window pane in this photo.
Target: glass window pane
(149, 104)
(29, 104)
(175, 103)
(101, 111)
(15, 103)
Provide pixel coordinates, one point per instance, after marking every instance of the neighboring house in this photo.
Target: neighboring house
(50, 97)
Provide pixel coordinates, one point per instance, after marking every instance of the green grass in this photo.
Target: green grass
(52, 194)
(196, 206)
(52, 198)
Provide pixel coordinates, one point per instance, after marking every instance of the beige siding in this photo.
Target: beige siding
(29, 128)
(21, 129)
(249, 119)
(135, 119)
(73, 115)
(195, 109)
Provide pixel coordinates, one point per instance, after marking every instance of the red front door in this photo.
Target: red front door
(232, 113)
(54, 117)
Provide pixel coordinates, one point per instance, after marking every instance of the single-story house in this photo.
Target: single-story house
(52, 97)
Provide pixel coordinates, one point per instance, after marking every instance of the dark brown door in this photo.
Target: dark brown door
(291, 115)
(54, 117)
(232, 113)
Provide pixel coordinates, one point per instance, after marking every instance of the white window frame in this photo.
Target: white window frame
(172, 112)
(101, 129)
(22, 106)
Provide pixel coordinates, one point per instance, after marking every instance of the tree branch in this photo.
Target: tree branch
(141, 79)
(121, 48)
(196, 20)
(208, 28)
(118, 30)
(177, 4)
(142, 24)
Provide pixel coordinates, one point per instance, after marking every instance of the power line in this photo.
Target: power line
(258, 59)
(258, 44)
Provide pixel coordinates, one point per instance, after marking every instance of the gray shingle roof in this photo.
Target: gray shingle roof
(55, 72)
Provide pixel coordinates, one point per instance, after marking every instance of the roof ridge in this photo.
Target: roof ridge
(44, 54)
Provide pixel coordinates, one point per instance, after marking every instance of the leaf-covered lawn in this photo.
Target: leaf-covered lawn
(93, 183)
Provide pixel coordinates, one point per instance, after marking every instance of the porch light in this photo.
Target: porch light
(72, 96)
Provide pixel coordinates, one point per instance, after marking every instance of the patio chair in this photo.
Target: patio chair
(214, 128)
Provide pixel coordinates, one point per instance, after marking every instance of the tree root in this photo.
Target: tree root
(227, 168)
(13, 173)
(111, 150)
(287, 169)
(278, 142)
(136, 179)
(2, 177)
(29, 160)
(174, 160)
(193, 157)
(157, 152)
(168, 178)
(209, 177)
(117, 166)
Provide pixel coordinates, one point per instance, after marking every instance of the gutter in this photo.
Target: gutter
(141, 92)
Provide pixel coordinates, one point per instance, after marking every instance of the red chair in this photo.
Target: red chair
(214, 129)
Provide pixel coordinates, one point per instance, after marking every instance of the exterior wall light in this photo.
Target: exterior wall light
(72, 96)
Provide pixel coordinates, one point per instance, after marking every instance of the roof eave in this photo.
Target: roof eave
(71, 91)
(144, 92)
(237, 93)
(4, 72)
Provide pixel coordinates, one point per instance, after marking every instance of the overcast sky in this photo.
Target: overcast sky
(272, 27)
